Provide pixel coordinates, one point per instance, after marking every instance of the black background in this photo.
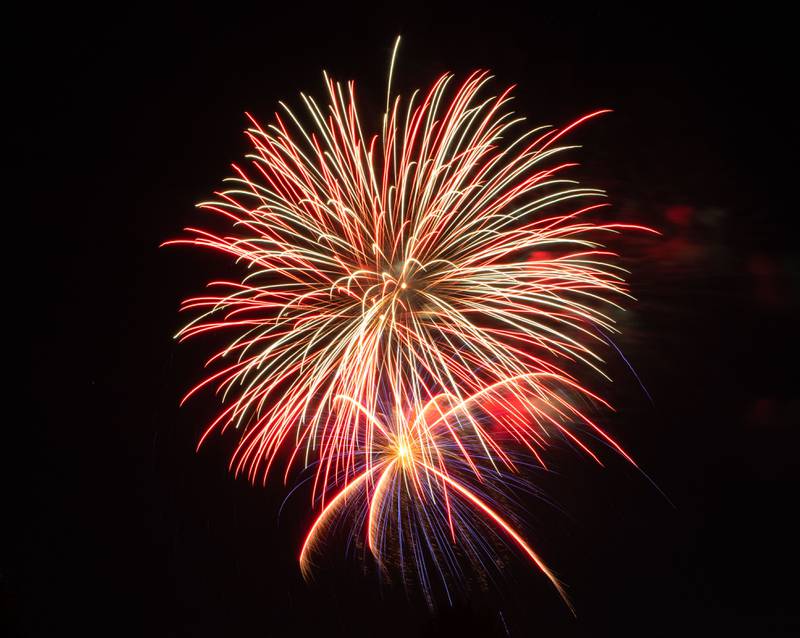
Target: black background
(129, 117)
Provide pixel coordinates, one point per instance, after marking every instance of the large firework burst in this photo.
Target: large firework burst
(448, 261)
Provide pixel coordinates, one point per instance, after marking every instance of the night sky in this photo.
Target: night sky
(127, 118)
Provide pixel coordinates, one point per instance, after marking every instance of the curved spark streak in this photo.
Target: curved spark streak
(507, 528)
(326, 514)
(372, 520)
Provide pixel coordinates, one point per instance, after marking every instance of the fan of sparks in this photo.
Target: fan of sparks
(413, 310)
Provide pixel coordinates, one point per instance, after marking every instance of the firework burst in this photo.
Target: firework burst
(447, 261)
(425, 488)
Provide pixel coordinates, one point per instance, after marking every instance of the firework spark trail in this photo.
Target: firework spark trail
(396, 269)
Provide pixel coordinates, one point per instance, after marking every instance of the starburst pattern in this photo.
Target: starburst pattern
(448, 261)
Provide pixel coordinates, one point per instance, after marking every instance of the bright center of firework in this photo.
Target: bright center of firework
(403, 453)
